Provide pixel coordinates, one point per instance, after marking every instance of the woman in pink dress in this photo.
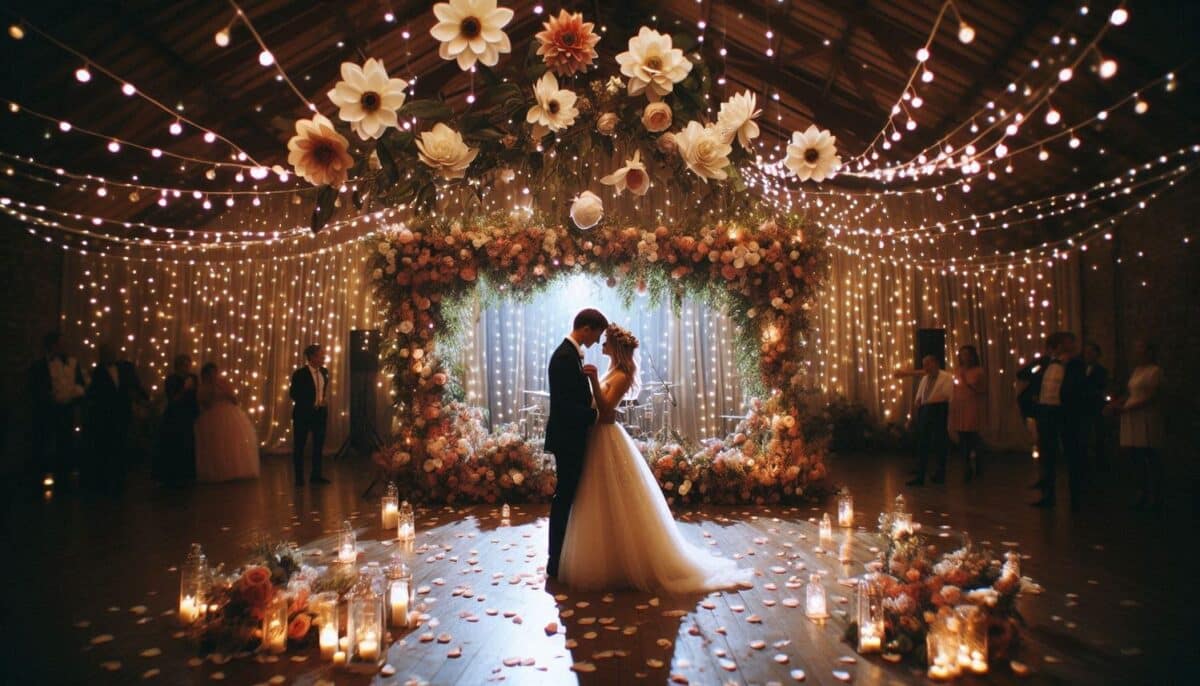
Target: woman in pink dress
(968, 407)
(226, 441)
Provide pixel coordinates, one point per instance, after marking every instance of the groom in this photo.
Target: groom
(571, 413)
(310, 412)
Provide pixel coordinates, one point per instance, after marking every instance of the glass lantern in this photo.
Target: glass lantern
(973, 643)
(364, 626)
(846, 549)
(406, 527)
(390, 507)
(870, 615)
(942, 645)
(902, 522)
(275, 623)
(845, 509)
(347, 544)
(193, 586)
(325, 608)
(399, 593)
(825, 531)
(815, 606)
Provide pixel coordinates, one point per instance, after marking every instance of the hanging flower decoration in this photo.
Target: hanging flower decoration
(812, 155)
(704, 150)
(587, 210)
(555, 107)
(567, 44)
(737, 116)
(657, 117)
(470, 31)
(652, 64)
(367, 98)
(443, 149)
(319, 153)
(632, 176)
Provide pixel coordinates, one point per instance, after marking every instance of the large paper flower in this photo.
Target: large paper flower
(555, 108)
(471, 30)
(443, 149)
(367, 98)
(737, 116)
(632, 176)
(704, 150)
(567, 44)
(652, 65)
(587, 210)
(318, 152)
(812, 155)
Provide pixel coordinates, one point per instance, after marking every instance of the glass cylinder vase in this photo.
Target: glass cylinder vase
(347, 544)
(845, 509)
(325, 608)
(390, 507)
(399, 593)
(406, 526)
(193, 586)
(275, 623)
(942, 645)
(815, 605)
(973, 641)
(870, 615)
(364, 628)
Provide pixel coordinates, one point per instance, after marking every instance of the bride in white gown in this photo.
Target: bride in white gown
(621, 533)
(226, 441)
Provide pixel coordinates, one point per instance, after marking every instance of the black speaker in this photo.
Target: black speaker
(364, 350)
(930, 342)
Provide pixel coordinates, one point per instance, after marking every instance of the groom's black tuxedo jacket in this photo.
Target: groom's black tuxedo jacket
(571, 411)
(304, 392)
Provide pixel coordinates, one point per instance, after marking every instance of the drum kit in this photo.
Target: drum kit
(645, 417)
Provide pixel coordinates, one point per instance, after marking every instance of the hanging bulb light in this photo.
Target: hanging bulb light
(922, 55)
(966, 33)
(128, 89)
(209, 137)
(1053, 116)
(176, 128)
(82, 75)
(1108, 68)
(221, 38)
(1141, 106)
(16, 32)
(1119, 16)
(114, 147)
(1065, 74)
(265, 58)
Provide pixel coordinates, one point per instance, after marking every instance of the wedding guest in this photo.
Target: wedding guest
(968, 407)
(110, 397)
(932, 407)
(176, 459)
(310, 412)
(56, 385)
(1027, 386)
(1059, 408)
(1094, 430)
(1142, 424)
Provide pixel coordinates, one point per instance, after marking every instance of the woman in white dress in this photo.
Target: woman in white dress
(1142, 424)
(226, 442)
(621, 533)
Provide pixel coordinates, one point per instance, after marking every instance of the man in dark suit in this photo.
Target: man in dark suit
(310, 412)
(1095, 398)
(571, 413)
(113, 390)
(1060, 407)
(56, 385)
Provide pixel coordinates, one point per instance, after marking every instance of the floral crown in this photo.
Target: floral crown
(621, 336)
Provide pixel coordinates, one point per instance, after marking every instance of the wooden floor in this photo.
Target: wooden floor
(1118, 605)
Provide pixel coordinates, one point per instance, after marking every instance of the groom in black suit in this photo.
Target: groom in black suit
(571, 413)
(310, 412)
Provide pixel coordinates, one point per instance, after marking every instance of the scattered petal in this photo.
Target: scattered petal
(151, 652)
(798, 675)
(583, 667)
(111, 665)
(841, 675)
(102, 638)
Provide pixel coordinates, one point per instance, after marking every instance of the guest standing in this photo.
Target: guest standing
(968, 408)
(1027, 386)
(56, 385)
(1095, 398)
(310, 412)
(226, 441)
(114, 389)
(1142, 424)
(1059, 408)
(176, 462)
(932, 407)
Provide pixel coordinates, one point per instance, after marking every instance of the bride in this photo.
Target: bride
(226, 442)
(621, 533)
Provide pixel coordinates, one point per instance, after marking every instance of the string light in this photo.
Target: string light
(1119, 16)
(221, 37)
(82, 75)
(16, 32)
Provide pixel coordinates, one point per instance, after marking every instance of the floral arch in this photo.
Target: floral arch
(763, 273)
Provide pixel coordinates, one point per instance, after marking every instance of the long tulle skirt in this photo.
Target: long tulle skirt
(621, 533)
(226, 444)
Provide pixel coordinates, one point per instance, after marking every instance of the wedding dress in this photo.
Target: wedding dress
(226, 441)
(621, 533)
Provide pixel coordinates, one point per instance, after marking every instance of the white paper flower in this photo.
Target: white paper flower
(471, 30)
(443, 149)
(737, 116)
(632, 176)
(652, 65)
(704, 150)
(587, 210)
(812, 155)
(319, 153)
(657, 117)
(555, 108)
(367, 98)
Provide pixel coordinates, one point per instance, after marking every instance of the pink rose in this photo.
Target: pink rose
(657, 117)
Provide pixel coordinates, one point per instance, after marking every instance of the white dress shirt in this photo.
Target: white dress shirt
(577, 345)
(935, 389)
(319, 384)
(1052, 379)
(62, 379)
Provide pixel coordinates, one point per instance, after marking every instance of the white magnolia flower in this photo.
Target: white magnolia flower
(812, 155)
(471, 30)
(704, 150)
(652, 65)
(555, 108)
(587, 210)
(632, 176)
(443, 149)
(319, 153)
(737, 116)
(367, 98)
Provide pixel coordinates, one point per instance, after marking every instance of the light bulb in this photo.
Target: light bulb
(966, 33)
(927, 76)
(1074, 142)
(1141, 106)
(389, 17)
(1108, 68)
(1065, 74)
(1001, 150)
(922, 55)
(64, 126)
(128, 89)
(16, 32)
(1119, 16)
(1043, 155)
(82, 75)
(1052, 116)
(221, 38)
(265, 58)
(176, 128)
(259, 172)
(114, 147)
(209, 137)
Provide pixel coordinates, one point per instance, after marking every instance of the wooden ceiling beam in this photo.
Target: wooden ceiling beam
(853, 17)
